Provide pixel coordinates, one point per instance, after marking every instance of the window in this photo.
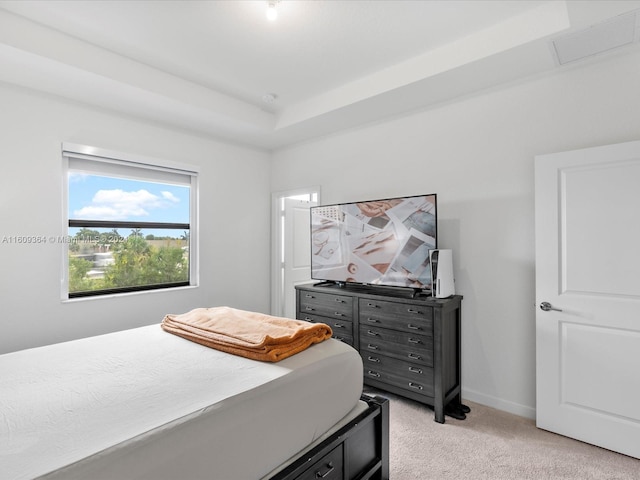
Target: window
(130, 224)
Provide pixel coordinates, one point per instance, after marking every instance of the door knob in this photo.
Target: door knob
(546, 306)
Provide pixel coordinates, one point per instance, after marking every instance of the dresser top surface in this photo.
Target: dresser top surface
(381, 293)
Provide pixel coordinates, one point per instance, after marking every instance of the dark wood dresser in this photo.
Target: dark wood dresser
(410, 345)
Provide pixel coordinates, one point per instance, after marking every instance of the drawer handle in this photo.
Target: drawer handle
(415, 385)
(411, 310)
(309, 309)
(373, 359)
(415, 341)
(373, 334)
(413, 327)
(372, 320)
(413, 356)
(339, 300)
(308, 319)
(308, 295)
(338, 314)
(330, 467)
(415, 370)
(339, 325)
(373, 374)
(372, 305)
(371, 346)
(340, 338)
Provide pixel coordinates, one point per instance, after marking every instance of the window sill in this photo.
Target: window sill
(127, 294)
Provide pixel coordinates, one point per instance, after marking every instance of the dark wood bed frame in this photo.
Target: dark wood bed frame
(359, 450)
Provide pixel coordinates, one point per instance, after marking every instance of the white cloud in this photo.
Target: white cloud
(120, 205)
(170, 196)
(99, 213)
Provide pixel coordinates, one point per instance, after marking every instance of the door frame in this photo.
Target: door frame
(277, 242)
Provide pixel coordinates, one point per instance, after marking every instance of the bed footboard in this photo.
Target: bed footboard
(359, 450)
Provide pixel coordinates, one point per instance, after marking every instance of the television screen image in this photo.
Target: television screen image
(379, 242)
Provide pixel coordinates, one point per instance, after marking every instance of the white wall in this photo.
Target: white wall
(477, 154)
(234, 219)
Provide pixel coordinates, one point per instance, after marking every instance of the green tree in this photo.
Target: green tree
(74, 247)
(78, 280)
(135, 263)
(85, 240)
(138, 263)
(115, 236)
(166, 265)
(107, 239)
(87, 233)
(129, 258)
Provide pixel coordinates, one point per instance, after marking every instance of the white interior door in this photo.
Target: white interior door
(588, 271)
(297, 250)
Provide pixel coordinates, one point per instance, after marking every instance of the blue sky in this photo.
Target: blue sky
(106, 198)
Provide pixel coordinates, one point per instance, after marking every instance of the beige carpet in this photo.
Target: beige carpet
(491, 444)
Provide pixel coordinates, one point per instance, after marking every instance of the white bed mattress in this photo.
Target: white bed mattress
(144, 403)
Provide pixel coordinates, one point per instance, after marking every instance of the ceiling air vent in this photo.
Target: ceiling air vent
(605, 36)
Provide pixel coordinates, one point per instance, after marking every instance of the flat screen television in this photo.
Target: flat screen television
(379, 242)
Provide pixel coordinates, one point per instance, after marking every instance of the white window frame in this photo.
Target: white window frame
(95, 160)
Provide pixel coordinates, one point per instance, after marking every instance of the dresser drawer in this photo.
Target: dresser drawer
(328, 467)
(407, 370)
(417, 385)
(342, 329)
(343, 337)
(401, 316)
(337, 325)
(326, 304)
(401, 345)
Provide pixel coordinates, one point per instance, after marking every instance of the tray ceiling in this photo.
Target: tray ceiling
(206, 66)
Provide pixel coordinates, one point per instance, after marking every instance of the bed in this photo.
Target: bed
(146, 404)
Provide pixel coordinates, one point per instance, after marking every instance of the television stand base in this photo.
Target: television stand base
(407, 292)
(418, 292)
(328, 283)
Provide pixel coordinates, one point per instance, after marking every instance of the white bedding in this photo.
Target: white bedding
(144, 403)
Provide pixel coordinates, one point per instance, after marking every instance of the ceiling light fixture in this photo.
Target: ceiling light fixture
(272, 13)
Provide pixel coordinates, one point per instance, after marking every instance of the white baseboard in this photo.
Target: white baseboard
(498, 403)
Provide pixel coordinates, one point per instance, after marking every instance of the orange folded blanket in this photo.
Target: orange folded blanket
(249, 334)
